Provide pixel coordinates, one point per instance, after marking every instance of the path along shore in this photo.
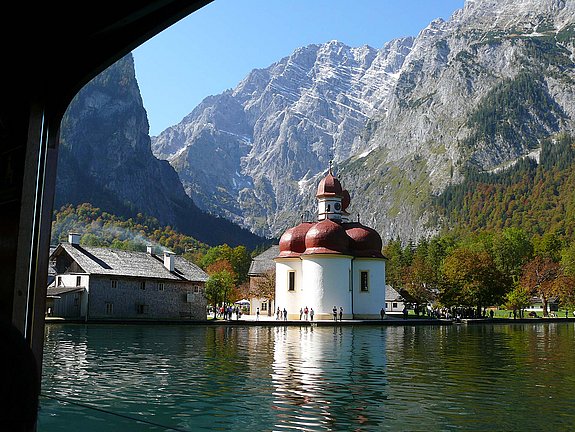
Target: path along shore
(265, 320)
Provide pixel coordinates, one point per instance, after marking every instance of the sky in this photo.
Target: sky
(214, 48)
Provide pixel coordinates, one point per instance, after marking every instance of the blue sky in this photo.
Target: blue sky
(213, 49)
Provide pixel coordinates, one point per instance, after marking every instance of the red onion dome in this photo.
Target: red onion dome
(326, 237)
(329, 186)
(365, 242)
(345, 200)
(292, 241)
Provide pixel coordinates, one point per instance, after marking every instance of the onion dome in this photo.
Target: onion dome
(292, 241)
(345, 200)
(329, 186)
(326, 237)
(365, 242)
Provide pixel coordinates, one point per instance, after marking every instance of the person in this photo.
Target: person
(382, 313)
(306, 311)
(340, 313)
(285, 314)
(491, 313)
(278, 313)
(310, 314)
(300, 313)
(405, 312)
(334, 313)
(258, 314)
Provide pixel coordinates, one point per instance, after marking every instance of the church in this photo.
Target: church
(333, 262)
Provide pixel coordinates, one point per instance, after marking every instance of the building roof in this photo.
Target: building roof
(264, 262)
(116, 262)
(57, 291)
(391, 294)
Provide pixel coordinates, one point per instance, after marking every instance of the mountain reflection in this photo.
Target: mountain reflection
(322, 378)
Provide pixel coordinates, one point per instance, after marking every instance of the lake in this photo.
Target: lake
(482, 377)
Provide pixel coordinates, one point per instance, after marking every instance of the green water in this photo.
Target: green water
(370, 378)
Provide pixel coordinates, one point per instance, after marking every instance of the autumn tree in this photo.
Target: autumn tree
(264, 287)
(540, 276)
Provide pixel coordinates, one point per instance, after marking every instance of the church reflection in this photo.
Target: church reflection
(323, 376)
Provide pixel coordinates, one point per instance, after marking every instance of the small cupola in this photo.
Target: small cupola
(330, 196)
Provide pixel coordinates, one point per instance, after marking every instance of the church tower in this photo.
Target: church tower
(332, 199)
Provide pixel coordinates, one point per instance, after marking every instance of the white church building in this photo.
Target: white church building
(331, 263)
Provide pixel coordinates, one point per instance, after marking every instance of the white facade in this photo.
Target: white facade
(368, 301)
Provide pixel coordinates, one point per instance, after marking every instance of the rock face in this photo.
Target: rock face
(105, 159)
(475, 92)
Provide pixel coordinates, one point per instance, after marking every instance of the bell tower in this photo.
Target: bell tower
(329, 196)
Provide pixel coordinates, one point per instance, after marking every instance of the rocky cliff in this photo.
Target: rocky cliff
(477, 91)
(105, 159)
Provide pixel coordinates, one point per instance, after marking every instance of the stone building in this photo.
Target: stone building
(261, 265)
(96, 283)
(333, 262)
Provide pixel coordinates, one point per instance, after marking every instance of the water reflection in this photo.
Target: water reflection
(224, 378)
(323, 377)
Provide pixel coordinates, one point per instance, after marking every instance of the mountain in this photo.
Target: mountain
(105, 159)
(477, 92)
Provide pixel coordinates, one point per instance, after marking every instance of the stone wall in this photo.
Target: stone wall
(129, 299)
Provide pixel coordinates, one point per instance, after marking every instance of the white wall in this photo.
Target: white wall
(327, 282)
(368, 304)
(291, 300)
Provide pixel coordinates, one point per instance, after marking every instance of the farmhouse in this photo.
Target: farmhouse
(96, 283)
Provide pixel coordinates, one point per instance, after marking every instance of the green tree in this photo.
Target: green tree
(511, 249)
(472, 279)
(218, 285)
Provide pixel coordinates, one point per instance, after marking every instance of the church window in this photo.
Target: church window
(109, 308)
(78, 281)
(364, 281)
(328, 207)
(264, 306)
(114, 283)
(291, 281)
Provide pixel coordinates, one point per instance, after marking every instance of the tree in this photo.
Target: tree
(517, 299)
(393, 252)
(418, 281)
(220, 283)
(264, 287)
(472, 279)
(511, 249)
(540, 278)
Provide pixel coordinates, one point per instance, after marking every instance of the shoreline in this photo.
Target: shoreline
(319, 323)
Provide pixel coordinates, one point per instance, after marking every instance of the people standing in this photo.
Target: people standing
(258, 314)
(310, 314)
(285, 314)
(300, 313)
(382, 313)
(334, 313)
(278, 313)
(340, 313)
(306, 311)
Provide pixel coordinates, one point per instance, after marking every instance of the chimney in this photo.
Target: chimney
(169, 260)
(74, 238)
(150, 249)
